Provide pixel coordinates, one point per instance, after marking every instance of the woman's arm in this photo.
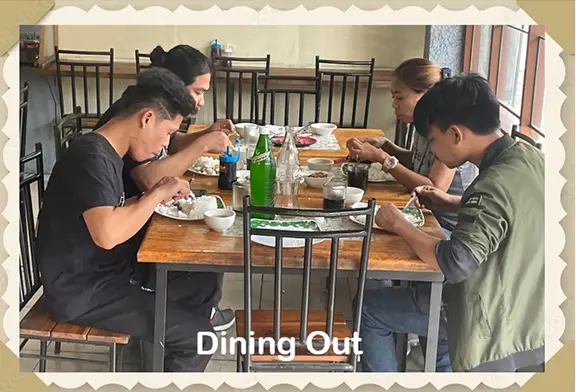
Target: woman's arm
(440, 176)
(403, 155)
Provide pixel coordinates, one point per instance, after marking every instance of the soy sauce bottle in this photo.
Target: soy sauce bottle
(228, 163)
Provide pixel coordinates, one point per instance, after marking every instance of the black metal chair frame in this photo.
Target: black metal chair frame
(245, 362)
(345, 74)
(30, 279)
(85, 65)
(66, 131)
(250, 69)
(137, 56)
(269, 88)
(404, 134)
(24, 96)
(516, 134)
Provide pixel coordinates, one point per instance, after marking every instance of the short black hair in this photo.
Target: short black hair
(464, 100)
(160, 90)
(185, 61)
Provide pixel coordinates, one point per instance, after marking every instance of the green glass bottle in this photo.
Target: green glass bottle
(263, 174)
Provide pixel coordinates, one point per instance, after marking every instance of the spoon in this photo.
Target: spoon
(412, 200)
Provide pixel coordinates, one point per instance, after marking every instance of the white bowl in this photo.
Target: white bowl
(220, 219)
(241, 127)
(320, 164)
(317, 182)
(353, 195)
(323, 129)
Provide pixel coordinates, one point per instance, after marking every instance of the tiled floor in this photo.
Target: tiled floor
(232, 297)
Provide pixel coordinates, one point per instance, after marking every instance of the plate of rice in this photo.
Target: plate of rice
(191, 208)
(206, 166)
(411, 214)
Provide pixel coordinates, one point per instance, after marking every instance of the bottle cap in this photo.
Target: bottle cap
(216, 44)
(229, 157)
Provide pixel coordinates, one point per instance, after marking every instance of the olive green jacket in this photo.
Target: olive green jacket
(498, 311)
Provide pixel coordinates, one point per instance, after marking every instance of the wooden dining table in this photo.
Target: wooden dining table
(191, 246)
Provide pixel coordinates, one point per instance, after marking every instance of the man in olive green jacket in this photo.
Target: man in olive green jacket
(494, 260)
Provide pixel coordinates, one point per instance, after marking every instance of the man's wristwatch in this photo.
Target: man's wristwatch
(389, 163)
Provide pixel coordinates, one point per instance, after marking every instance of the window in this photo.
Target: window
(511, 57)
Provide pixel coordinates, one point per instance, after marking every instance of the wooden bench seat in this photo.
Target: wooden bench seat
(39, 324)
(262, 325)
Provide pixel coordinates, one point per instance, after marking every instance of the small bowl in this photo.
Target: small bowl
(317, 182)
(323, 129)
(353, 195)
(220, 219)
(241, 127)
(320, 164)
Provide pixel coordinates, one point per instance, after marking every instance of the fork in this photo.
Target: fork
(412, 200)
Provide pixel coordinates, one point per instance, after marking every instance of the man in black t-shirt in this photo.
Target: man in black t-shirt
(89, 231)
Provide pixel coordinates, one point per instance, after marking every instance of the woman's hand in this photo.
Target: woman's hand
(360, 151)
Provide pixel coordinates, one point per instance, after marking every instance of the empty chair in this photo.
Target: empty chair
(286, 86)
(66, 131)
(240, 75)
(87, 65)
(24, 93)
(516, 134)
(362, 75)
(277, 323)
(138, 56)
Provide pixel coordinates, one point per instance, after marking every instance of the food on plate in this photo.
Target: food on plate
(376, 174)
(189, 208)
(206, 165)
(318, 175)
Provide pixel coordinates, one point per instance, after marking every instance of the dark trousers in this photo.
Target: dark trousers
(130, 310)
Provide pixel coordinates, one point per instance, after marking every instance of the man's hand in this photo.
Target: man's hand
(434, 199)
(172, 188)
(223, 125)
(214, 142)
(366, 152)
(388, 217)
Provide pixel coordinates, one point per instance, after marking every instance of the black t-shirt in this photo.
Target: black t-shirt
(77, 274)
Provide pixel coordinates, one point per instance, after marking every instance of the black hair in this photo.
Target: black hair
(464, 100)
(160, 90)
(185, 61)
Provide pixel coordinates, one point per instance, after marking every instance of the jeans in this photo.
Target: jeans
(387, 310)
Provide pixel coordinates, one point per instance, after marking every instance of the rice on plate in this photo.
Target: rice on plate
(206, 165)
(190, 208)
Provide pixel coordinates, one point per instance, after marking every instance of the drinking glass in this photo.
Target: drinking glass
(358, 175)
(334, 194)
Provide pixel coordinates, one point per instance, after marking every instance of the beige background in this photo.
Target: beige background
(288, 46)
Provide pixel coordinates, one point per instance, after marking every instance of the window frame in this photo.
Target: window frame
(531, 102)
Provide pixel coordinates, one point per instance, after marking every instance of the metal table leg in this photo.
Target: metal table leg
(433, 327)
(160, 318)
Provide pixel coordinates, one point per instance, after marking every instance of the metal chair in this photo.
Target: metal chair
(137, 56)
(404, 135)
(516, 134)
(24, 94)
(66, 131)
(70, 67)
(238, 71)
(276, 324)
(288, 86)
(363, 73)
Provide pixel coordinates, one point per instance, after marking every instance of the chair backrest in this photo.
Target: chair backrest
(66, 131)
(288, 86)
(364, 232)
(139, 65)
(236, 72)
(94, 60)
(24, 94)
(362, 72)
(404, 135)
(516, 134)
(29, 272)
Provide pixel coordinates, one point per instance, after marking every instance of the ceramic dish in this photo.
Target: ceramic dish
(305, 225)
(412, 214)
(191, 208)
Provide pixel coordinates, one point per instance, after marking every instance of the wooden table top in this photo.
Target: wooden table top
(192, 242)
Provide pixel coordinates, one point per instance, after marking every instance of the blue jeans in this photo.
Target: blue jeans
(387, 310)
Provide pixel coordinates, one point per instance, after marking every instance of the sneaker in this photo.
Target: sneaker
(222, 319)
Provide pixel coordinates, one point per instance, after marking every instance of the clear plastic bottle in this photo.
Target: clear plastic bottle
(288, 173)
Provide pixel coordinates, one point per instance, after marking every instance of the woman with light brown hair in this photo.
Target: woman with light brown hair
(417, 166)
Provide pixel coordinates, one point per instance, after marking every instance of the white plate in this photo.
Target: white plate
(286, 242)
(361, 220)
(196, 170)
(218, 201)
